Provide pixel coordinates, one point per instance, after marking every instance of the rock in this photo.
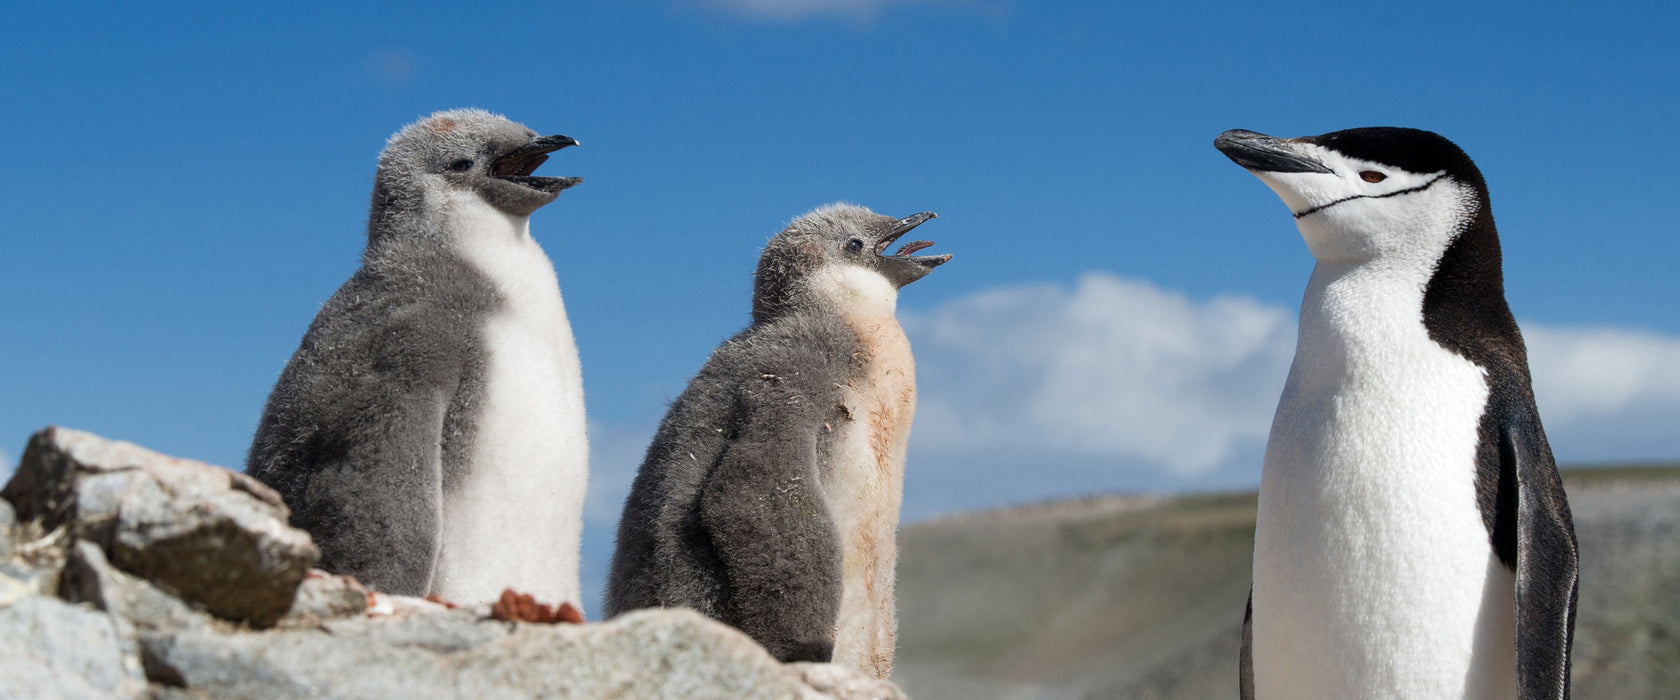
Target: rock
(643, 654)
(846, 683)
(147, 552)
(217, 538)
(89, 578)
(438, 630)
(51, 649)
(455, 654)
(324, 596)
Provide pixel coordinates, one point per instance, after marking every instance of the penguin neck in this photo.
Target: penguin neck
(1355, 312)
(857, 293)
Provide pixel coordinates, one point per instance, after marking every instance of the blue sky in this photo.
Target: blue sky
(184, 187)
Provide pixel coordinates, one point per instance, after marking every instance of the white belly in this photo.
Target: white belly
(516, 520)
(865, 488)
(1373, 572)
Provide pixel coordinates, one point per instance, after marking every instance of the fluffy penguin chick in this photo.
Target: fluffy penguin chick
(769, 498)
(1413, 537)
(429, 431)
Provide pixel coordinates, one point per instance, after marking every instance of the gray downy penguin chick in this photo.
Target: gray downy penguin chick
(1413, 538)
(769, 498)
(429, 430)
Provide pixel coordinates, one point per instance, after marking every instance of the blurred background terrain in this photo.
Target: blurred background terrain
(1142, 596)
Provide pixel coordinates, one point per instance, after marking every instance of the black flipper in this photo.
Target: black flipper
(1245, 662)
(1547, 565)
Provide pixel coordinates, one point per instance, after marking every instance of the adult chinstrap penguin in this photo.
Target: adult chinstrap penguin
(429, 430)
(1413, 540)
(769, 498)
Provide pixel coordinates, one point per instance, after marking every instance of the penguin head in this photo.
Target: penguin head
(1368, 193)
(468, 151)
(836, 257)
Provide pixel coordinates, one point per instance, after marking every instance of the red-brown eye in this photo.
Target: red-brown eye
(1372, 176)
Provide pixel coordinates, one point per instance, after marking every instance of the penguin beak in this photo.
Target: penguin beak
(902, 268)
(518, 165)
(1265, 154)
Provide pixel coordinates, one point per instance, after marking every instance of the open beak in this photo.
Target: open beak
(518, 165)
(901, 267)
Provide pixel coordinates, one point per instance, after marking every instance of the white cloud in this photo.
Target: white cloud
(796, 10)
(1583, 372)
(1114, 367)
(1126, 371)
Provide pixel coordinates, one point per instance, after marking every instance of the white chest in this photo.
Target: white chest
(516, 520)
(864, 490)
(1373, 572)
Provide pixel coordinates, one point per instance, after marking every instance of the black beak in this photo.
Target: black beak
(518, 165)
(901, 267)
(1262, 153)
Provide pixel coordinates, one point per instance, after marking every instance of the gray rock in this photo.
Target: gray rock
(51, 649)
(324, 596)
(846, 683)
(645, 654)
(19, 580)
(444, 632)
(89, 578)
(216, 537)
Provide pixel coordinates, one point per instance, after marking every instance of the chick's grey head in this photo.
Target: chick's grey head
(467, 151)
(836, 257)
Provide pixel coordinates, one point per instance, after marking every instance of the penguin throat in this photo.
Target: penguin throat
(854, 291)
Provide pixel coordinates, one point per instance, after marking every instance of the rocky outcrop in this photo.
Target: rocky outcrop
(126, 573)
(215, 537)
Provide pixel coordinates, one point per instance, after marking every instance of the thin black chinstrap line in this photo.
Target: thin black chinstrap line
(1408, 190)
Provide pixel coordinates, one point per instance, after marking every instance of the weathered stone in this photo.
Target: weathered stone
(19, 580)
(216, 537)
(450, 654)
(51, 649)
(643, 654)
(89, 578)
(438, 630)
(324, 596)
(846, 683)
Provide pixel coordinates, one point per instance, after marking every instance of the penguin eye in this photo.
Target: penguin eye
(461, 165)
(1372, 176)
(854, 245)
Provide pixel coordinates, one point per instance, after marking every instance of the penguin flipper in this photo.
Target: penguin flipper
(1245, 660)
(778, 546)
(1547, 566)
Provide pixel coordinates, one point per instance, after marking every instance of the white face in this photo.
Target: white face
(1366, 210)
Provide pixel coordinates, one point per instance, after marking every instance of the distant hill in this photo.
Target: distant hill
(1142, 596)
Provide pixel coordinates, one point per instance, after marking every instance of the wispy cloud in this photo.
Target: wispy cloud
(798, 10)
(1582, 372)
(1113, 367)
(1126, 370)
